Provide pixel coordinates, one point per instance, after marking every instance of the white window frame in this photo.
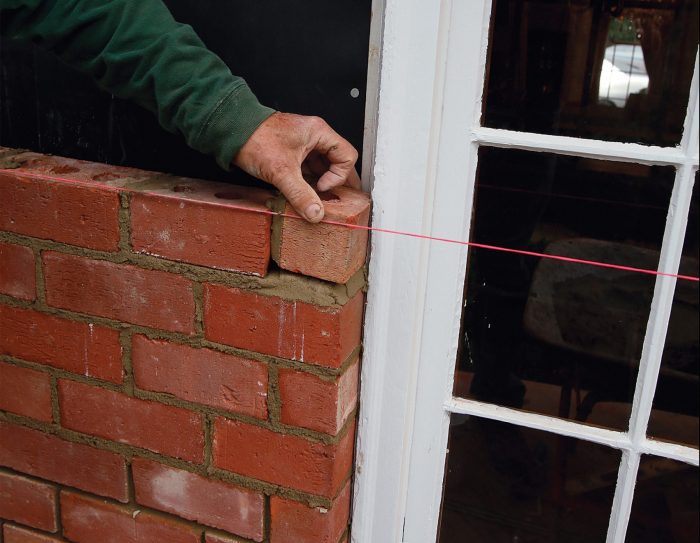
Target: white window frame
(426, 75)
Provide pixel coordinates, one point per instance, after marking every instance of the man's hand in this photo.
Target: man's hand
(285, 145)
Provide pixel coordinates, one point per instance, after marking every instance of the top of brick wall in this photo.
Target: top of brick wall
(210, 224)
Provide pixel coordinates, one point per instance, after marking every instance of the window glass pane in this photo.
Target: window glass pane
(506, 484)
(554, 337)
(665, 506)
(598, 69)
(675, 413)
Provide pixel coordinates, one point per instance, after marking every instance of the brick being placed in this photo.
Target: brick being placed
(332, 250)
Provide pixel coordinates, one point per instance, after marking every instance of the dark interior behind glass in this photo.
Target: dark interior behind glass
(603, 69)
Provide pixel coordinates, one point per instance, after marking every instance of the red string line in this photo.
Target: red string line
(385, 230)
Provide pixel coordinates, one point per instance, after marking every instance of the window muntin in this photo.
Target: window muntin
(675, 411)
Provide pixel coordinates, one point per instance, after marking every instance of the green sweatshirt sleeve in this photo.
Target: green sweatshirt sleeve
(136, 50)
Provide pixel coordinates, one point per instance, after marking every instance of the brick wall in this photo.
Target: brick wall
(161, 380)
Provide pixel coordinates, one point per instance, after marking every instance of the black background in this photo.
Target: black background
(301, 56)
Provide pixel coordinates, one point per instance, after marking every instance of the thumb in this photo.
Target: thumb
(299, 194)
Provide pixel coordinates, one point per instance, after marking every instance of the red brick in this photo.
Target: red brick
(59, 210)
(149, 425)
(289, 329)
(201, 375)
(297, 522)
(119, 291)
(311, 402)
(88, 520)
(195, 226)
(86, 349)
(328, 251)
(25, 392)
(15, 534)
(190, 496)
(17, 275)
(28, 502)
(282, 459)
(78, 172)
(73, 464)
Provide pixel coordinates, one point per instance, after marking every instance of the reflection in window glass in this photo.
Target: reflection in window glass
(675, 413)
(665, 506)
(508, 484)
(553, 337)
(607, 70)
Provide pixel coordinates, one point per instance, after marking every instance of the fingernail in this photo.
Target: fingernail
(313, 212)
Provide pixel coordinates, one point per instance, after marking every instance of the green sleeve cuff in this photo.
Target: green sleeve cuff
(232, 121)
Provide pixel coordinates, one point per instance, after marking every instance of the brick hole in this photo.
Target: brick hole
(64, 169)
(105, 176)
(183, 188)
(232, 194)
(328, 196)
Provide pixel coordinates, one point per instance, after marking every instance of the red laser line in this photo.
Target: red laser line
(385, 230)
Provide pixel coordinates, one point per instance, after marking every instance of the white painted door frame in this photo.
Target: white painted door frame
(422, 138)
(415, 286)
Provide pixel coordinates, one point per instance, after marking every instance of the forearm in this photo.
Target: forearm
(136, 50)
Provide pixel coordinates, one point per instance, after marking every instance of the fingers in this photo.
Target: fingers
(341, 156)
(354, 180)
(299, 194)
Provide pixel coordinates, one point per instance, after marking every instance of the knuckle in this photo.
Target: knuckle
(317, 123)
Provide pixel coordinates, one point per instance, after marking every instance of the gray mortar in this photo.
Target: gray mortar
(208, 442)
(198, 295)
(124, 223)
(274, 401)
(278, 206)
(55, 409)
(127, 368)
(6, 158)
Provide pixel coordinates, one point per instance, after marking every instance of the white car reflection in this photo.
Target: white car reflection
(623, 73)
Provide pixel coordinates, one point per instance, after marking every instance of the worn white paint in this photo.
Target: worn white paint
(374, 58)
(403, 198)
(421, 145)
